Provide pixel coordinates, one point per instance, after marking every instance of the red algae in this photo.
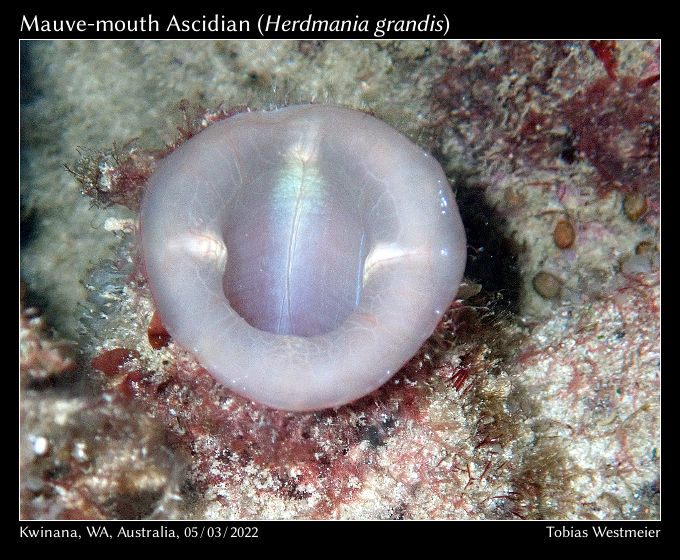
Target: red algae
(41, 357)
(617, 126)
(607, 52)
(116, 176)
(110, 362)
(612, 122)
(158, 336)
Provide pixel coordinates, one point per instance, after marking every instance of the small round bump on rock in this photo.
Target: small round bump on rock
(564, 234)
(645, 248)
(547, 285)
(635, 206)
